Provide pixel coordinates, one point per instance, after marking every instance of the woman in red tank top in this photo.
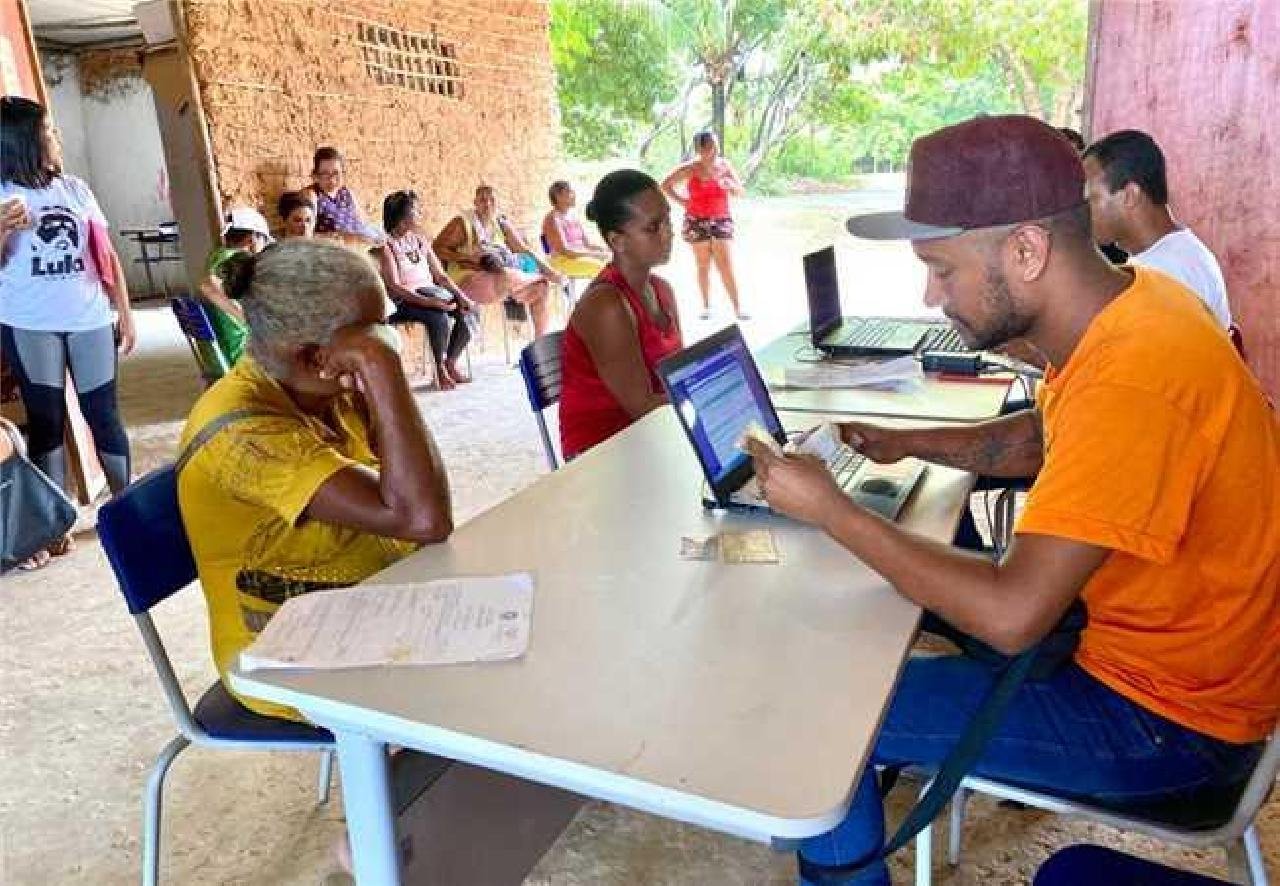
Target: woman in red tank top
(708, 227)
(626, 321)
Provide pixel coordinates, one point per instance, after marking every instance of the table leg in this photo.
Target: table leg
(366, 796)
(146, 267)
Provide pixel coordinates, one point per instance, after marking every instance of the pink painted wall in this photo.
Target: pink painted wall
(1203, 77)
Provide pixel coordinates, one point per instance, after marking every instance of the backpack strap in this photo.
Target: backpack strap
(209, 431)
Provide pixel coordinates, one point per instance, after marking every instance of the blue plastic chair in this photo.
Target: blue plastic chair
(193, 320)
(143, 537)
(1098, 864)
(540, 367)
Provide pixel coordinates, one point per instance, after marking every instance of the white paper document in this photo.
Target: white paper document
(447, 621)
(896, 374)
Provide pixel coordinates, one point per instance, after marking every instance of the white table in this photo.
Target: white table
(935, 400)
(740, 698)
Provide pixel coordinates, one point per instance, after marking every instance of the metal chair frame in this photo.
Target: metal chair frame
(1238, 835)
(142, 594)
(540, 367)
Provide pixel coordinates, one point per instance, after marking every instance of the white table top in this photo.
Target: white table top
(935, 400)
(741, 698)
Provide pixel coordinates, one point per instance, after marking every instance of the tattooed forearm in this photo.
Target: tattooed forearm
(1012, 446)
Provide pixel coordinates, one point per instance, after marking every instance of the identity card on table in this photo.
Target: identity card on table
(447, 621)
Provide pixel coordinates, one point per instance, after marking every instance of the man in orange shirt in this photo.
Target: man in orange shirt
(1156, 503)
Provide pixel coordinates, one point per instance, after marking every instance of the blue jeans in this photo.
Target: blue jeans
(1069, 735)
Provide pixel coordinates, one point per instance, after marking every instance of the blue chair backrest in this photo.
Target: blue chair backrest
(540, 367)
(143, 537)
(192, 319)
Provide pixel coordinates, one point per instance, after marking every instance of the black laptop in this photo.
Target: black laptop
(840, 336)
(717, 392)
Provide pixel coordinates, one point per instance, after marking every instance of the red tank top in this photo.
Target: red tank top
(589, 413)
(707, 198)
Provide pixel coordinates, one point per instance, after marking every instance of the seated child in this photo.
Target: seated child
(245, 231)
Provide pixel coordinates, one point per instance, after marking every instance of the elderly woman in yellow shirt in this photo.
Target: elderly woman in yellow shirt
(326, 474)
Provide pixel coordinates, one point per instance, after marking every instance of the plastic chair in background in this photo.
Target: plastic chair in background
(1232, 830)
(570, 290)
(143, 537)
(540, 367)
(195, 325)
(514, 313)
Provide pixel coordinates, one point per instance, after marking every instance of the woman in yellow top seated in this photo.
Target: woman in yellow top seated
(327, 475)
(489, 260)
(571, 251)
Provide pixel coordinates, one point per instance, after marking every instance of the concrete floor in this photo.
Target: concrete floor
(81, 715)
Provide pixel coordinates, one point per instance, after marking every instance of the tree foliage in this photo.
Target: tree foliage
(862, 76)
(614, 65)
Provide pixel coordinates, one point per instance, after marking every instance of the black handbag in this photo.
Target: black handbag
(34, 512)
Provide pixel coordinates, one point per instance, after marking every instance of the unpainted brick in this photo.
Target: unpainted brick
(279, 78)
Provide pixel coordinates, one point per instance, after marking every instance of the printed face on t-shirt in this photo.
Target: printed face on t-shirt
(57, 242)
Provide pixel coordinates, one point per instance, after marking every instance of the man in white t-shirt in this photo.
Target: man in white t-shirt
(1129, 202)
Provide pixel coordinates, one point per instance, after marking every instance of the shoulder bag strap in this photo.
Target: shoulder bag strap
(207, 433)
(952, 771)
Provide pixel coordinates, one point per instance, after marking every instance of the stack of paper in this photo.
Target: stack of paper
(448, 621)
(902, 373)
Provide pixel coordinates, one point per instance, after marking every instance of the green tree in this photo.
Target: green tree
(614, 66)
(718, 37)
(855, 75)
(1037, 49)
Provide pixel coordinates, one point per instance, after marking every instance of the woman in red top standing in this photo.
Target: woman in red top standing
(708, 226)
(625, 322)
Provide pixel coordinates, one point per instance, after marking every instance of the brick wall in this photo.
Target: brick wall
(280, 77)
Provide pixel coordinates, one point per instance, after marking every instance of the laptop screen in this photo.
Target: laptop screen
(823, 286)
(717, 392)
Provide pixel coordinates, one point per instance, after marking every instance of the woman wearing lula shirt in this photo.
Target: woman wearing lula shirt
(55, 310)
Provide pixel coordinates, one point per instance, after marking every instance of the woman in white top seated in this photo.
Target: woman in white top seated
(420, 288)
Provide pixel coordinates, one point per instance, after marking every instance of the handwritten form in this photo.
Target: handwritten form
(448, 621)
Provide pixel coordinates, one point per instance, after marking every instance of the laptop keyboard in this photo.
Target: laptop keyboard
(877, 334)
(943, 338)
(844, 465)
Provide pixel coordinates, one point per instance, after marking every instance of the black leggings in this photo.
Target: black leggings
(40, 360)
(446, 344)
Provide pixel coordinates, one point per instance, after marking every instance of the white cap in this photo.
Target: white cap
(246, 219)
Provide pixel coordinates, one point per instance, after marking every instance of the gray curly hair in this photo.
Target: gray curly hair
(301, 291)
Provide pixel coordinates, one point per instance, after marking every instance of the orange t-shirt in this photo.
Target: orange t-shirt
(1161, 446)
